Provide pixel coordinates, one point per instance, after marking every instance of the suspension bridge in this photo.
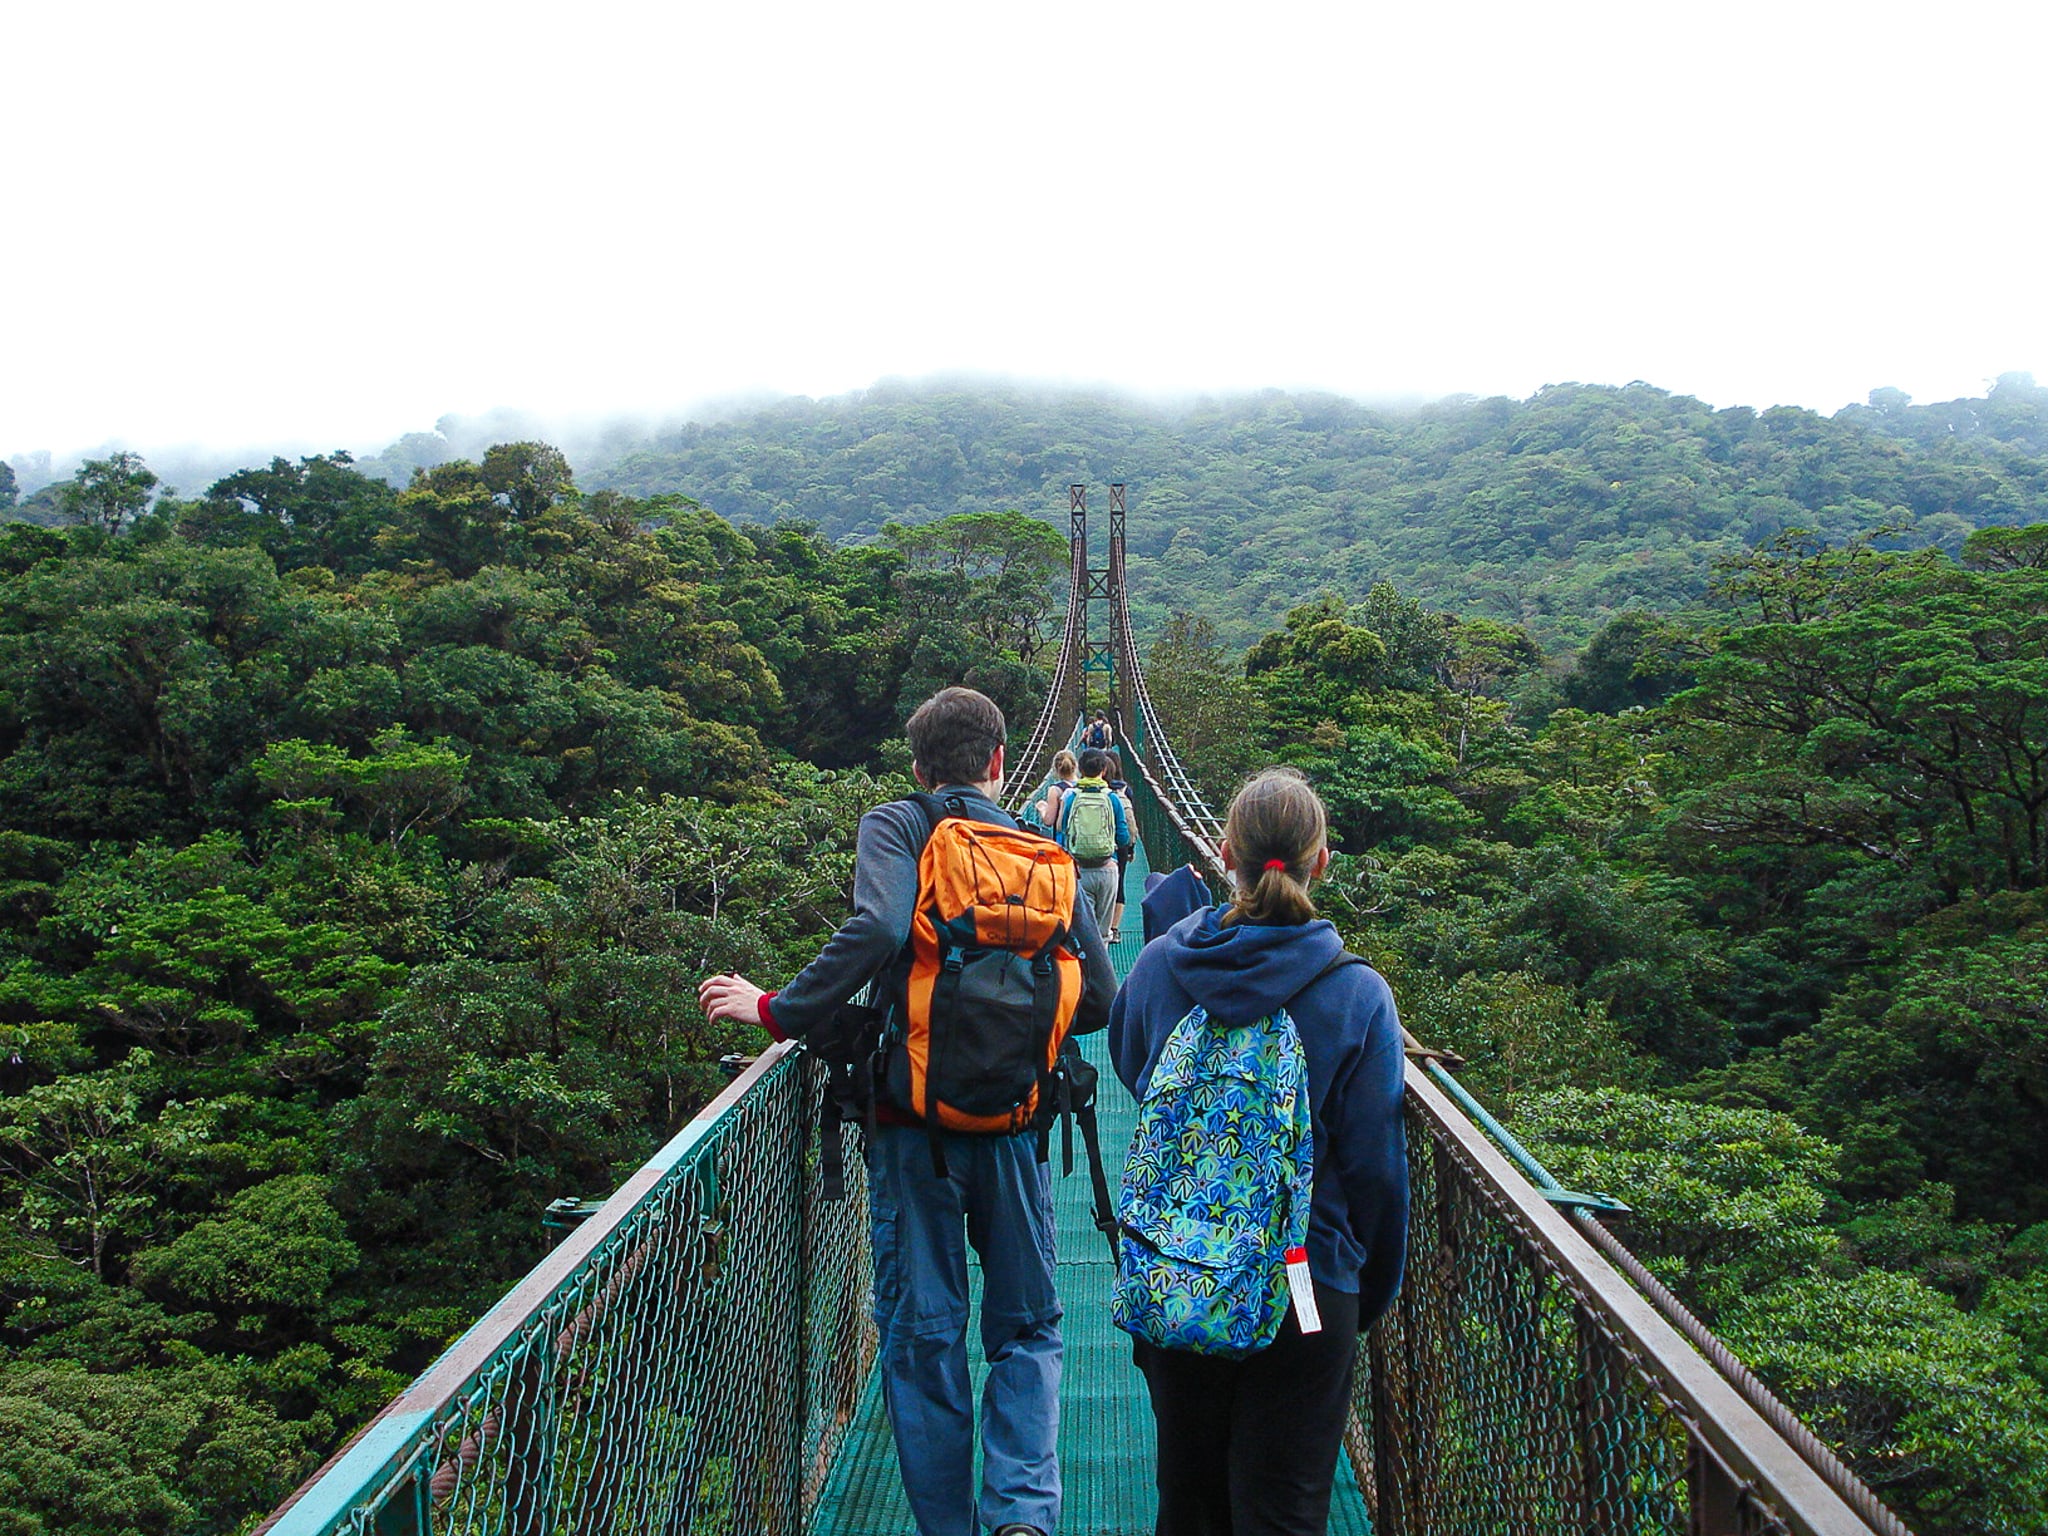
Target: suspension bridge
(694, 1357)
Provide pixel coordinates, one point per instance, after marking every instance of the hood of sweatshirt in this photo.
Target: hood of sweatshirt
(1245, 970)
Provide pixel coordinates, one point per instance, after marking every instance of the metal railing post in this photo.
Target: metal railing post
(406, 1514)
(1715, 1500)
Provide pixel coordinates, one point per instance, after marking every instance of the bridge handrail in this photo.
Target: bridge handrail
(1035, 761)
(1205, 855)
(1180, 790)
(594, 1382)
(1741, 1473)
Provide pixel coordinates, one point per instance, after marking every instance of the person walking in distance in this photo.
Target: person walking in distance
(1065, 769)
(1093, 828)
(1221, 1022)
(1113, 773)
(954, 1159)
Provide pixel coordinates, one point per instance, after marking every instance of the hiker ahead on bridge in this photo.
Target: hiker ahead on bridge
(987, 957)
(1095, 829)
(1220, 1025)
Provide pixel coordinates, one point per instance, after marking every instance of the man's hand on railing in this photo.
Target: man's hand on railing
(727, 996)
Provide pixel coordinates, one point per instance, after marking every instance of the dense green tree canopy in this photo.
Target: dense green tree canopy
(108, 494)
(357, 837)
(1555, 512)
(355, 846)
(1740, 917)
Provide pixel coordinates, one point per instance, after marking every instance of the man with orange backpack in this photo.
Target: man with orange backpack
(986, 962)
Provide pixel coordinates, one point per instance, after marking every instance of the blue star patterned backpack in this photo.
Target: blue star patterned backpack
(1216, 1187)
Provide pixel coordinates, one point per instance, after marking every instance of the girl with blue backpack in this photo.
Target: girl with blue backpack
(1264, 1213)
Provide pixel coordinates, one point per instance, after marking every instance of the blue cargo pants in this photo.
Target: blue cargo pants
(999, 1194)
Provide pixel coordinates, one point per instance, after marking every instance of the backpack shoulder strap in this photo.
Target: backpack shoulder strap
(930, 806)
(1343, 958)
(934, 809)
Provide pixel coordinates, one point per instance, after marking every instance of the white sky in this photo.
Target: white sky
(329, 224)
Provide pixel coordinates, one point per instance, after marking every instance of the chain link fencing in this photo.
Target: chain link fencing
(1170, 839)
(692, 1357)
(687, 1361)
(1498, 1395)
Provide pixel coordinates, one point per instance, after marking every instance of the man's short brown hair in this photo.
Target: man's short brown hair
(953, 735)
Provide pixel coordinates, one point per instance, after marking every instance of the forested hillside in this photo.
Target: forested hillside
(357, 839)
(354, 848)
(1552, 512)
(1744, 918)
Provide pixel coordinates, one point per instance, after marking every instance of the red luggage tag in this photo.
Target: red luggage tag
(1304, 1291)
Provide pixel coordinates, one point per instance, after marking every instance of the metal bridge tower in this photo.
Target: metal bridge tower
(1100, 584)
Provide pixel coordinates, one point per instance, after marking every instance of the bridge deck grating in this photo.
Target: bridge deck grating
(1106, 1445)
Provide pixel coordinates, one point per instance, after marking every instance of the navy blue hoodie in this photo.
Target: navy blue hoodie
(1351, 1037)
(1169, 898)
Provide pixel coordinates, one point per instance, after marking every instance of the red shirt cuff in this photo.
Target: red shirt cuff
(768, 1019)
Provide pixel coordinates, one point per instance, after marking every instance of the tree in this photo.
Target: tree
(1520, 1036)
(401, 789)
(2007, 549)
(132, 695)
(2018, 1300)
(1312, 670)
(109, 493)
(149, 1453)
(528, 477)
(1386, 789)
(88, 1158)
(1484, 660)
(217, 970)
(1904, 677)
(9, 488)
(549, 1054)
(1204, 703)
(993, 573)
(277, 1248)
(1418, 641)
(450, 517)
(1927, 1404)
(1721, 1201)
(1939, 1073)
(1591, 778)
(1634, 661)
(1573, 919)
(976, 595)
(318, 511)
(1485, 655)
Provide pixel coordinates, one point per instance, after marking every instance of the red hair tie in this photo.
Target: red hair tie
(1276, 863)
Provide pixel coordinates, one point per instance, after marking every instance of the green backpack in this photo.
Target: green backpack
(1088, 819)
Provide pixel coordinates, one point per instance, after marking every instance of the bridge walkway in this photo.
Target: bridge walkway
(1106, 1446)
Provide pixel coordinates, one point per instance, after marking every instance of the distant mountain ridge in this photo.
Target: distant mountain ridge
(1555, 512)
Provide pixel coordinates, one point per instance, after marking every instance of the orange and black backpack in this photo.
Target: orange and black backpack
(968, 1029)
(986, 988)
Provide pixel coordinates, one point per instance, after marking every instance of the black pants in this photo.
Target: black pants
(1249, 1447)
